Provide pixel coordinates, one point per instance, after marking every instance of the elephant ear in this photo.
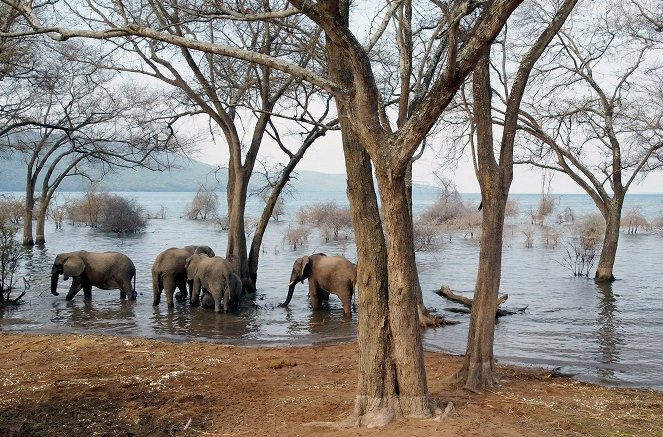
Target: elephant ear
(305, 263)
(189, 271)
(72, 267)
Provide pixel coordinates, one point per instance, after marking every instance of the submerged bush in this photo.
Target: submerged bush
(633, 220)
(297, 236)
(331, 219)
(204, 205)
(121, 215)
(584, 244)
(10, 260)
(11, 208)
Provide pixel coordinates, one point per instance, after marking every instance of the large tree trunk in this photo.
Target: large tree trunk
(40, 237)
(610, 241)
(478, 370)
(27, 212)
(403, 288)
(392, 378)
(377, 392)
(236, 252)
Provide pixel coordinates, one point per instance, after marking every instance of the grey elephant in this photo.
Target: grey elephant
(326, 275)
(105, 270)
(215, 275)
(169, 272)
(207, 300)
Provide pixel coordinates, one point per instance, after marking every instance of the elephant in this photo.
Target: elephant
(215, 275)
(326, 275)
(207, 300)
(105, 270)
(168, 272)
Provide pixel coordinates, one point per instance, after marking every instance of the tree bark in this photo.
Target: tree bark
(236, 251)
(610, 240)
(392, 378)
(403, 288)
(27, 211)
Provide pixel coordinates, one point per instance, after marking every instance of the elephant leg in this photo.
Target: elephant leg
(125, 288)
(157, 288)
(217, 301)
(169, 290)
(347, 301)
(182, 294)
(195, 292)
(314, 296)
(87, 288)
(76, 285)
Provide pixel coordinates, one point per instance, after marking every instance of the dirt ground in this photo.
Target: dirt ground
(69, 385)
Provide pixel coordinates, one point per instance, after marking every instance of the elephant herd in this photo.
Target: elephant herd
(210, 279)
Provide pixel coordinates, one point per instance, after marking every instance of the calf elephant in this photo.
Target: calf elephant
(169, 272)
(215, 275)
(325, 274)
(208, 301)
(105, 270)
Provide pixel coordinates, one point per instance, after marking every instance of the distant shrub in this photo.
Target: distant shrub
(426, 235)
(158, 215)
(332, 220)
(449, 207)
(529, 237)
(11, 208)
(204, 205)
(511, 209)
(634, 220)
(297, 236)
(121, 215)
(57, 211)
(87, 209)
(657, 223)
(583, 246)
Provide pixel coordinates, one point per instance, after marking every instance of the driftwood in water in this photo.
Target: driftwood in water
(446, 292)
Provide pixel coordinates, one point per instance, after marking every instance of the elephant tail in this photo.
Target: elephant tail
(156, 282)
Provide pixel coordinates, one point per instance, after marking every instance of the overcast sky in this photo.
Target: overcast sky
(326, 156)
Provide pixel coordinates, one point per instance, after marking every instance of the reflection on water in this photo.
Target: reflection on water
(607, 333)
(609, 340)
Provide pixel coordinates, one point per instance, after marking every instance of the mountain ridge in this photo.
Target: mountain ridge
(185, 175)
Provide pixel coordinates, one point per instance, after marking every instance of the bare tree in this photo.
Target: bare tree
(77, 123)
(392, 379)
(596, 111)
(204, 205)
(495, 174)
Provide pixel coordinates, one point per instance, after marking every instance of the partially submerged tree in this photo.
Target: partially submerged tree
(75, 121)
(204, 205)
(495, 174)
(392, 379)
(596, 110)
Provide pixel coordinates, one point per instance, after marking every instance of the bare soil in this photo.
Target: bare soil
(70, 385)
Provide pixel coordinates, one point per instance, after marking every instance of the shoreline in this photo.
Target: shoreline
(74, 384)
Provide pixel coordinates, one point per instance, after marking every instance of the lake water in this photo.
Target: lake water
(609, 335)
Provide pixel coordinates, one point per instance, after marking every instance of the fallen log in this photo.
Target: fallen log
(446, 292)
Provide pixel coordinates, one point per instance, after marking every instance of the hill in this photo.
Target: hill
(185, 174)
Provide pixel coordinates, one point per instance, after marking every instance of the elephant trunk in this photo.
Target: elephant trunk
(54, 284)
(291, 290)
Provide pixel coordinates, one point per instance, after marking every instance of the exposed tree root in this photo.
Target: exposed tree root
(474, 383)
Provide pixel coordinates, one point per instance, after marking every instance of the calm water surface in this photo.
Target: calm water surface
(609, 334)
